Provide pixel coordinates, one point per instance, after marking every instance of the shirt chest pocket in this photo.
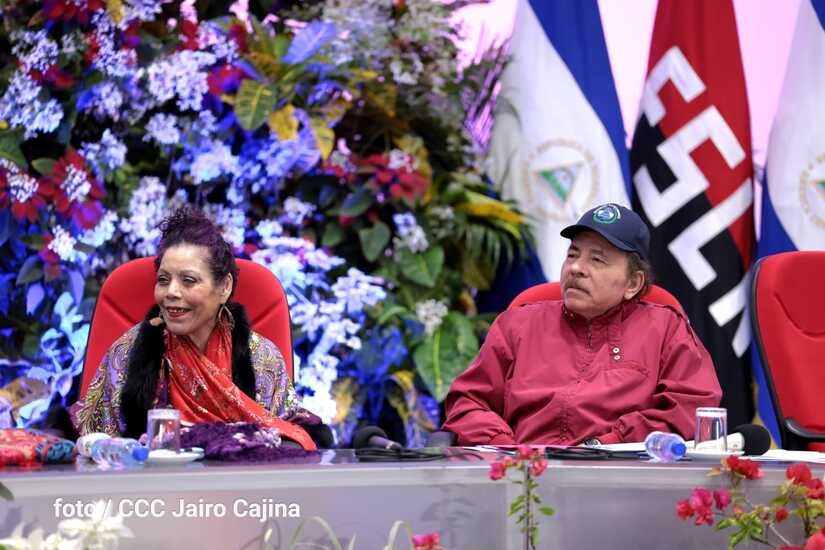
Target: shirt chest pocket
(616, 361)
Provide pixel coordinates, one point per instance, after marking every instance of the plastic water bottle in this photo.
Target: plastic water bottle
(119, 451)
(84, 444)
(665, 447)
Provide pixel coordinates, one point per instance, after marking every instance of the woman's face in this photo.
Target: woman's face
(188, 297)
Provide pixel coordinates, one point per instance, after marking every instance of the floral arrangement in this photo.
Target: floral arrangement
(101, 530)
(336, 142)
(802, 496)
(530, 463)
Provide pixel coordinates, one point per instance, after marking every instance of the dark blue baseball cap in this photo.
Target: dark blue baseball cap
(622, 227)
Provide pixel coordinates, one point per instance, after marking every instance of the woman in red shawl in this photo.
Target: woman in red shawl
(195, 351)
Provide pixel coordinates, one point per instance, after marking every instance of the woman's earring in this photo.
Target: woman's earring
(225, 313)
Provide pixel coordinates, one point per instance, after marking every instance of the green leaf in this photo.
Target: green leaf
(43, 165)
(5, 494)
(253, 104)
(725, 523)
(30, 271)
(390, 312)
(547, 510)
(446, 354)
(422, 269)
(356, 203)
(333, 234)
(374, 240)
(10, 141)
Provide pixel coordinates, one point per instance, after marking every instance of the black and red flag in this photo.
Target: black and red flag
(693, 180)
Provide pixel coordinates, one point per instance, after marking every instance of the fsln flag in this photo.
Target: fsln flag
(793, 194)
(558, 141)
(692, 176)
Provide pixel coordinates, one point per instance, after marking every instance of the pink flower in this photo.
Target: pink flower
(497, 470)
(537, 467)
(800, 474)
(722, 498)
(815, 489)
(816, 542)
(684, 509)
(524, 452)
(430, 541)
(701, 501)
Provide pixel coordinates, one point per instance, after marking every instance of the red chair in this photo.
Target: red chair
(788, 320)
(552, 291)
(128, 293)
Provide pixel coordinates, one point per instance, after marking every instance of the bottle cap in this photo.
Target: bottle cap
(678, 449)
(140, 453)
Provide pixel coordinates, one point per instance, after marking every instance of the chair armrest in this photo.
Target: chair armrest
(803, 433)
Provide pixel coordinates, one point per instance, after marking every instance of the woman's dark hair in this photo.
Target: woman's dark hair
(636, 263)
(189, 225)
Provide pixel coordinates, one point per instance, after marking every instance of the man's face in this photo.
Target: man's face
(594, 276)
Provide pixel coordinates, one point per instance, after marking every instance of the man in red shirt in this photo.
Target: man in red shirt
(599, 366)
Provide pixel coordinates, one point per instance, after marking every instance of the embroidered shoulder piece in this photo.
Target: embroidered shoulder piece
(273, 388)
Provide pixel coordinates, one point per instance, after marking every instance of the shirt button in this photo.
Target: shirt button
(616, 349)
(617, 357)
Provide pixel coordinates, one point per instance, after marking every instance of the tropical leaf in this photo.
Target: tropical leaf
(423, 268)
(324, 136)
(411, 405)
(446, 354)
(414, 146)
(308, 41)
(265, 63)
(374, 240)
(253, 104)
(10, 141)
(333, 235)
(485, 207)
(357, 202)
(384, 97)
(284, 123)
(43, 165)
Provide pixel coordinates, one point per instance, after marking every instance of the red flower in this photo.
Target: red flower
(25, 203)
(721, 497)
(816, 542)
(781, 515)
(789, 548)
(189, 30)
(744, 467)
(51, 261)
(82, 206)
(237, 32)
(131, 36)
(67, 10)
(684, 509)
(92, 50)
(226, 79)
(800, 474)
(537, 467)
(497, 470)
(55, 76)
(430, 541)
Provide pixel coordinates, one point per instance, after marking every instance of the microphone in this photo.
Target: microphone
(373, 436)
(751, 439)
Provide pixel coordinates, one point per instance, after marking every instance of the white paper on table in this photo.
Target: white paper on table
(791, 456)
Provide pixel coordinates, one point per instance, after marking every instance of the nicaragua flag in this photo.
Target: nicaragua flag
(793, 194)
(558, 144)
